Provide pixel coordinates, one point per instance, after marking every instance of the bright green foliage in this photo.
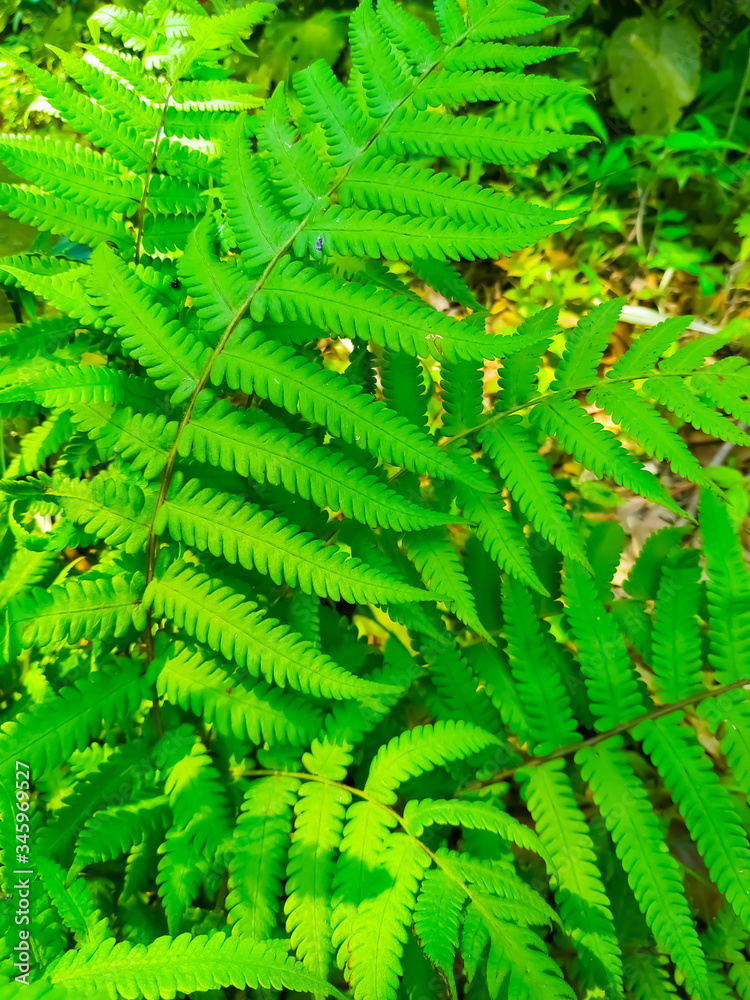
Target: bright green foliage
(293, 616)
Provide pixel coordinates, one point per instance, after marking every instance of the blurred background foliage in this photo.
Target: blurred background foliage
(661, 201)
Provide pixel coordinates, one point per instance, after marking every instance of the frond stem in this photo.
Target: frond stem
(658, 712)
(153, 542)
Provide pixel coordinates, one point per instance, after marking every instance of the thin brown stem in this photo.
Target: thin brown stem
(152, 549)
(658, 712)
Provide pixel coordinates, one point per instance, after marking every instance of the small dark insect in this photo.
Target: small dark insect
(175, 283)
(319, 245)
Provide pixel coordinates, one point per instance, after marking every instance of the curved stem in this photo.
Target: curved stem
(152, 549)
(658, 712)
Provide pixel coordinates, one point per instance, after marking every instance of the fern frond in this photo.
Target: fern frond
(218, 616)
(179, 876)
(62, 287)
(104, 605)
(254, 538)
(86, 116)
(632, 413)
(42, 338)
(706, 805)
(598, 449)
(170, 355)
(585, 345)
(183, 964)
(62, 385)
(471, 815)
(546, 707)
(69, 170)
(326, 102)
(612, 683)
(500, 535)
(423, 133)
(298, 175)
(188, 677)
(652, 872)
(117, 510)
(373, 233)
(382, 75)
(519, 959)
(114, 831)
(494, 55)
(77, 821)
(259, 849)
(728, 589)
(530, 483)
(134, 29)
(298, 293)
(643, 354)
(197, 799)
(580, 893)
(47, 735)
(422, 749)
(387, 184)
(318, 827)
(380, 926)
(256, 219)
(436, 921)
(255, 444)
(365, 834)
(50, 214)
(39, 444)
(437, 562)
(73, 902)
(277, 373)
(676, 648)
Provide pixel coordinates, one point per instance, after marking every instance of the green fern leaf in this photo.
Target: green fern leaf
(188, 677)
(256, 220)
(580, 892)
(318, 827)
(530, 483)
(255, 444)
(585, 345)
(96, 605)
(728, 592)
(277, 373)
(114, 831)
(71, 171)
(182, 964)
(170, 355)
(259, 849)
(438, 564)
(611, 681)
(653, 874)
(707, 807)
(436, 921)
(500, 535)
(73, 902)
(298, 293)
(419, 750)
(47, 735)
(546, 707)
(676, 651)
(243, 533)
(218, 616)
(654, 433)
(380, 925)
(599, 450)
(471, 815)
(387, 184)
(423, 133)
(55, 215)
